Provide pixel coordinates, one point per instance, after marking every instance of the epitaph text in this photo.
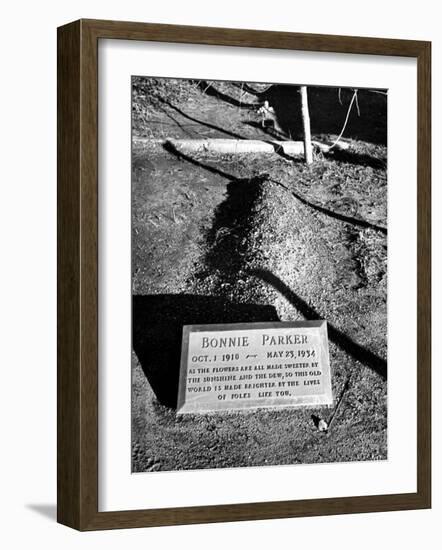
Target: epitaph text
(253, 366)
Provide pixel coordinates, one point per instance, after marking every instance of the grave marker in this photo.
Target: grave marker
(252, 365)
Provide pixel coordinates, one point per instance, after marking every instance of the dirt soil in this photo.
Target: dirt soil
(238, 238)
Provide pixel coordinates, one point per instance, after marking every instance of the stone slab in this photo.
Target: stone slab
(254, 365)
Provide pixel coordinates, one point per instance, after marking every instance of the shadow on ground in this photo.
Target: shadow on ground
(243, 193)
(328, 111)
(358, 352)
(199, 121)
(327, 105)
(158, 322)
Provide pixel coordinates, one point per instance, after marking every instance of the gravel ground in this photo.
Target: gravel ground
(257, 238)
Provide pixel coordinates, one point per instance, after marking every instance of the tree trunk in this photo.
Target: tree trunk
(308, 153)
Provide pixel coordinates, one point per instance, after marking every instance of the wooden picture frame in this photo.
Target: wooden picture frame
(78, 274)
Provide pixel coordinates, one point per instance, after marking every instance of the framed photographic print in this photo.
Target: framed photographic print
(243, 274)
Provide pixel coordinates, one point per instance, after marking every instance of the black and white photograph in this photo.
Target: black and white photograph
(259, 234)
(218, 284)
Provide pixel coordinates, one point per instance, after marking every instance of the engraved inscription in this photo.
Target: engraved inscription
(282, 364)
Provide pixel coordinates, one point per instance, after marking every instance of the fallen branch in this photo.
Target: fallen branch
(236, 146)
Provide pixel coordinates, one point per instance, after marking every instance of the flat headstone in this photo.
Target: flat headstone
(252, 365)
